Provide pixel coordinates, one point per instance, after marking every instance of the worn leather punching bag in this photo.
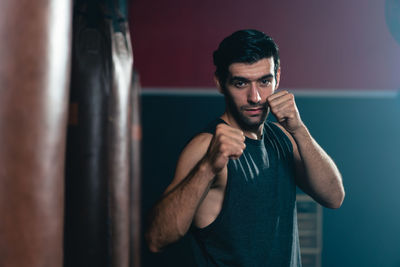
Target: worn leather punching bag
(34, 77)
(87, 234)
(98, 187)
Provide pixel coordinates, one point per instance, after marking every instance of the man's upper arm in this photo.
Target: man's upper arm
(190, 156)
(300, 172)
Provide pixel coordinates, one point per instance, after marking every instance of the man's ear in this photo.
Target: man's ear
(278, 78)
(217, 83)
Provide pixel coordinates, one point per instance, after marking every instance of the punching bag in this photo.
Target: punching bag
(87, 235)
(98, 187)
(34, 77)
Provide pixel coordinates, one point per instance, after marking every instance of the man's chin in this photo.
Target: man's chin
(252, 123)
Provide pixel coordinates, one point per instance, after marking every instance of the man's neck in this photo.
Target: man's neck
(252, 134)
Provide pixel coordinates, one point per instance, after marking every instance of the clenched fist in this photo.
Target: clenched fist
(227, 143)
(283, 106)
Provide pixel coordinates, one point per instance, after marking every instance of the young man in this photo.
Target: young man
(235, 183)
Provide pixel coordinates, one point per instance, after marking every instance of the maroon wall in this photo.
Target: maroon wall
(324, 44)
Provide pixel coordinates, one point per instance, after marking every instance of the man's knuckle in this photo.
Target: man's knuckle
(219, 128)
(223, 147)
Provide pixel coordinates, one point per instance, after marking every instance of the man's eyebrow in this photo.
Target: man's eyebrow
(239, 78)
(243, 79)
(268, 76)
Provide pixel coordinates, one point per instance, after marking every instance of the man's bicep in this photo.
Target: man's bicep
(190, 156)
(300, 174)
(298, 161)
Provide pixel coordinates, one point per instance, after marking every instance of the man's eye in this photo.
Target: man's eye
(265, 82)
(240, 84)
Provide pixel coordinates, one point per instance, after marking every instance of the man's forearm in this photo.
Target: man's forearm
(321, 178)
(172, 216)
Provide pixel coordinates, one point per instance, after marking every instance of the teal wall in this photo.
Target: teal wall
(361, 132)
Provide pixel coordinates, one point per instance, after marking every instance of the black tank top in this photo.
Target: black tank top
(257, 225)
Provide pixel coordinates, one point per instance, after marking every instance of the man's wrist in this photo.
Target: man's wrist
(206, 169)
(300, 132)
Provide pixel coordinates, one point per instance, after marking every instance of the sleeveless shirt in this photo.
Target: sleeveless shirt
(257, 225)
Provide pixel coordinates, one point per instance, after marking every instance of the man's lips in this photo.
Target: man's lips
(254, 111)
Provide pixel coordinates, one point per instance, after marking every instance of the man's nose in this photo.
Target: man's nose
(254, 95)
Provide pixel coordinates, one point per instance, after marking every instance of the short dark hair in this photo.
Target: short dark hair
(244, 46)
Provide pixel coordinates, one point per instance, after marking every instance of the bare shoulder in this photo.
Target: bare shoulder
(193, 152)
(195, 149)
(200, 141)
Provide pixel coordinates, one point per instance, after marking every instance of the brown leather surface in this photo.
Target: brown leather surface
(34, 77)
(118, 145)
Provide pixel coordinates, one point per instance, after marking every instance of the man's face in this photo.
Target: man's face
(247, 89)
